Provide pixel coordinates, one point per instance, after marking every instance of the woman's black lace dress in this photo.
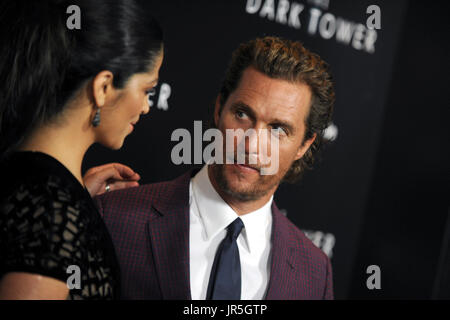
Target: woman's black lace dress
(49, 222)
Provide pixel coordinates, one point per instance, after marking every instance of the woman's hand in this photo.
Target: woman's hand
(115, 175)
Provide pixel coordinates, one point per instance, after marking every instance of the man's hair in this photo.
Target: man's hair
(288, 60)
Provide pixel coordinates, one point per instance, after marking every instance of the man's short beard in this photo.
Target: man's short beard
(244, 196)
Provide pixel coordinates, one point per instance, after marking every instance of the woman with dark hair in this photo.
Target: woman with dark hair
(63, 90)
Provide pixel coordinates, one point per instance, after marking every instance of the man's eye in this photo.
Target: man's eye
(277, 130)
(240, 114)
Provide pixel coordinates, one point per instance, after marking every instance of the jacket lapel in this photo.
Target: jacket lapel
(282, 266)
(168, 231)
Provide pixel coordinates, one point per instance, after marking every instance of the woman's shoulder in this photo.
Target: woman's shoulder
(36, 173)
(31, 196)
(44, 208)
(44, 224)
(48, 223)
(40, 197)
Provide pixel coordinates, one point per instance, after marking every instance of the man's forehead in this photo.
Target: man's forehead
(260, 91)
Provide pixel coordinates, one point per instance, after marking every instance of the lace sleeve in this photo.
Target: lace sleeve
(41, 231)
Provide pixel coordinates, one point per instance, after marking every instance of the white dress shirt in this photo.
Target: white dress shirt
(209, 217)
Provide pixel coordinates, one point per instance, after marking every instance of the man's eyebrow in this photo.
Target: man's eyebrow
(244, 107)
(249, 111)
(153, 81)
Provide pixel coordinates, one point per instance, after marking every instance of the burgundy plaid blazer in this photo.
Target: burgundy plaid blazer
(149, 226)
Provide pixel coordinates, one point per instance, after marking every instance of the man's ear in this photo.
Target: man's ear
(305, 146)
(102, 85)
(217, 111)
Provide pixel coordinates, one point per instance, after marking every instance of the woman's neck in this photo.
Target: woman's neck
(67, 144)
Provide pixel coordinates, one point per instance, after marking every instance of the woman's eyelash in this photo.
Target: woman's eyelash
(151, 92)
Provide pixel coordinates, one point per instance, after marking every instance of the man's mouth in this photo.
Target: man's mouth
(244, 166)
(247, 168)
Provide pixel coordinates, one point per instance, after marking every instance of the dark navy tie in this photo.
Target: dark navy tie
(225, 278)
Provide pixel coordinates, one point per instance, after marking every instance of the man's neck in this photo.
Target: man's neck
(240, 207)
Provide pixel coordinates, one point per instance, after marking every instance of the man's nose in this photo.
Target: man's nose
(251, 143)
(256, 143)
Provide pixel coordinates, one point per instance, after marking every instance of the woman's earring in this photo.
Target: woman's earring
(96, 120)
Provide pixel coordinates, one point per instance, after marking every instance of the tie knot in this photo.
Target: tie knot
(234, 228)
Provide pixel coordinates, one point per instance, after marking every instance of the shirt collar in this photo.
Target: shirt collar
(215, 214)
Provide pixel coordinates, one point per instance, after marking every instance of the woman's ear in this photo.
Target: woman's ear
(102, 86)
(305, 146)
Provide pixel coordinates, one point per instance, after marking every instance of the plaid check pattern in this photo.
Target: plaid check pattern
(149, 226)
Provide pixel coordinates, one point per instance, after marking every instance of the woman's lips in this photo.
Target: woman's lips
(133, 124)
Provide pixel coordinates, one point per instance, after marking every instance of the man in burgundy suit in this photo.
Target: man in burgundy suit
(217, 233)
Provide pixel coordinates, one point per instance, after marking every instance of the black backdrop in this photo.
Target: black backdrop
(347, 204)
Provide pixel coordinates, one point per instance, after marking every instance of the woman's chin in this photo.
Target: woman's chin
(118, 145)
(113, 145)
